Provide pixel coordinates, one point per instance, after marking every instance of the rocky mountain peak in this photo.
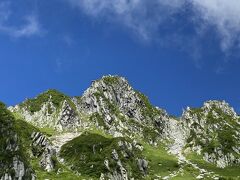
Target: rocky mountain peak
(49, 109)
(51, 97)
(117, 103)
(219, 105)
(113, 132)
(116, 91)
(213, 131)
(111, 80)
(109, 103)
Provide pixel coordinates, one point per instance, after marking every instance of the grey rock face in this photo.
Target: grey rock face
(46, 160)
(115, 90)
(111, 98)
(68, 118)
(143, 165)
(63, 118)
(115, 155)
(6, 176)
(224, 106)
(19, 168)
(127, 150)
(120, 173)
(112, 105)
(117, 103)
(44, 149)
(213, 131)
(39, 139)
(106, 163)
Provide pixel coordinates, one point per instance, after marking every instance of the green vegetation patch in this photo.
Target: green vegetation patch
(57, 98)
(11, 139)
(232, 172)
(86, 154)
(97, 118)
(224, 129)
(110, 80)
(150, 134)
(24, 131)
(48, 131)
(189, 173)
(61, 172)
(149, 110)
(160, 162)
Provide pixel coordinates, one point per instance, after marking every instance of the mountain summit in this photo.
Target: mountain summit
(113, 132)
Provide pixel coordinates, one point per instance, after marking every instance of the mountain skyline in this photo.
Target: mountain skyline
(179, 54)
(79, 95)
(113, 132)
(120, 90)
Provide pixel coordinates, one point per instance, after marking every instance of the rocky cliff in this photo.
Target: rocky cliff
(113, 132)
(50, 109)
(213, 131)
(115, 106)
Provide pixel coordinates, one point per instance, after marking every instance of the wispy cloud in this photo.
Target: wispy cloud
(68, 40)
(141, 16)
(146, 17)
(29, 28)
(4, 11)
(224, 15)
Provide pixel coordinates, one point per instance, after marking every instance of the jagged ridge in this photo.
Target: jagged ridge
(213, 131)
(111, 107)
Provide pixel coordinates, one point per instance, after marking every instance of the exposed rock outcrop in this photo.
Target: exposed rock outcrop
(213, 131)
(113, 104)
(104, 158)
(129, 126)
(50, 109)
(43, 149)
(143, 165)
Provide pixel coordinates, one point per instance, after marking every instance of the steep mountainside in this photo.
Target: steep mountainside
(214, 132)
(113, 104)
(110, 158)
(113, 132)
(13, 160)
(50, 109)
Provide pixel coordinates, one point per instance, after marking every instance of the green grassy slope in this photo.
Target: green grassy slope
(35, 104)
(11, 145)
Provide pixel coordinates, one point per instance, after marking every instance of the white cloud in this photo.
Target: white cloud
(224, 15)
(31, 26)
(144, 17)
(4, 11)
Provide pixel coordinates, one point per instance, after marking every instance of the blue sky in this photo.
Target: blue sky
(178, 53)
